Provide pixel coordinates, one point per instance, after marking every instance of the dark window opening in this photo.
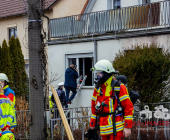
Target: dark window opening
(72, 61)
(12, 32)
(84, 66)
(88, 65)
(81, 66)
(145, 1)
(116, 4)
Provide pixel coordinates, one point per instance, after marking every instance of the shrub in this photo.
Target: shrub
(147, 69)
(5, 60)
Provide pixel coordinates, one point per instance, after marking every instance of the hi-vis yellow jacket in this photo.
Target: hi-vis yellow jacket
(6, 113)
(51, 103)
(8, 92)
(106, 122)
(7, 135)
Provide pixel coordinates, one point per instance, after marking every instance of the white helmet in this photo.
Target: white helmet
(104, 65)
(3, 77)
(61, 84)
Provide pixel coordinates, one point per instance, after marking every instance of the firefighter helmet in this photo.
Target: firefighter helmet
(3, 77)
(104, 65)
(61, 84)
(122, 78)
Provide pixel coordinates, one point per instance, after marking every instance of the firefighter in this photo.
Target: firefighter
(10, 94)
(114, 114)
(51, 104)
(6, 116)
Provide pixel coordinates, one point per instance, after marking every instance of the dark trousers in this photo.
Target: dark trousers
(67, 94)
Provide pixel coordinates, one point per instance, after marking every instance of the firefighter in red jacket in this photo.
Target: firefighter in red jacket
(114, 115)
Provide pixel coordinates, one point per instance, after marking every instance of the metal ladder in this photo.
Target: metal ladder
(78, 91)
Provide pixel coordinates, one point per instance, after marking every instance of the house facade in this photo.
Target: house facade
(104, 28)
(14, 21)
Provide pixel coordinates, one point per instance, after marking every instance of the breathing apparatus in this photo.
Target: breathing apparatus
(103, 70)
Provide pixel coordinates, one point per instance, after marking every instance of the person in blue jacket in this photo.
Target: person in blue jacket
(70, 83)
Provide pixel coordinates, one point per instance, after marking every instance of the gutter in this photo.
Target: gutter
(21, 14)
(118, 36)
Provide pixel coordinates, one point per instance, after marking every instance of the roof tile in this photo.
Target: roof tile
(17, 7)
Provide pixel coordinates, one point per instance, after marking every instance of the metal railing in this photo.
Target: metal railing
(150, 16)
(79, 119)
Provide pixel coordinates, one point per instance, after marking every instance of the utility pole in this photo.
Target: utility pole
(36, 95)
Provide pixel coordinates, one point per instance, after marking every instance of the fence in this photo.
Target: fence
(146, 124)
(78, 119)
(23, 122)
(150, 16)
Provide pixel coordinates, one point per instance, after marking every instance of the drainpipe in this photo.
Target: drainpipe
(48, 23)
(95, 59)
(95, 51)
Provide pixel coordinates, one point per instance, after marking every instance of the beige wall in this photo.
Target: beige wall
(7, 23)
(67, 8)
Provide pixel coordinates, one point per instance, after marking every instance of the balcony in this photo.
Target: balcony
(154, 17)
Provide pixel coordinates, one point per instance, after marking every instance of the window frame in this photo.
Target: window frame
(110, 4)
(77, 55)
(15, 32)
(143, 3)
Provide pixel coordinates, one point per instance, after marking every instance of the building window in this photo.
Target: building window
(83, 63)
(12, 32)
(145, 1)
(114, 4)
(27, 69)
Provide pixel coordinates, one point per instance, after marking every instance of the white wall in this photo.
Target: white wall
(127, 3)
(100, 5)
(84, 97)
(156, 0)
(106, 49)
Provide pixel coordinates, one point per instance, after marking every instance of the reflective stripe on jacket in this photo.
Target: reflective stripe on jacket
(7, 135)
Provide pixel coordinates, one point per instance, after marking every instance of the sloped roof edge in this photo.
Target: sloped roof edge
(89, 6)
(52, 5)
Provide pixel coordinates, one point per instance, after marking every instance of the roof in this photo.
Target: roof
(10, 8)
(85, 5)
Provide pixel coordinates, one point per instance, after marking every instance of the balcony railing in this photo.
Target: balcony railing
(151, 16)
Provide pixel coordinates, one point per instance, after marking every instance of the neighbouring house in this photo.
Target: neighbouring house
(14, 21)
(102, 29)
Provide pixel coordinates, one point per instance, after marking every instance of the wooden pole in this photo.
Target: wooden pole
(63, 117)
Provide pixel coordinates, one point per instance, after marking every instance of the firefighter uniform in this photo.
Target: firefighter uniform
(103, 96)
(51, 104)
(7, 135)
(11, 95)
(6, 113)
